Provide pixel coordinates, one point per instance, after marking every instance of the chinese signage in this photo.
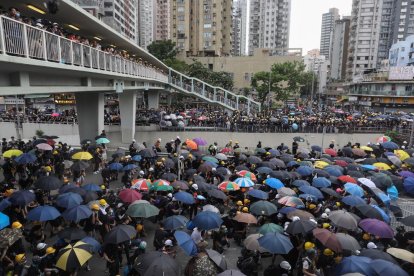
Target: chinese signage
(401, 73)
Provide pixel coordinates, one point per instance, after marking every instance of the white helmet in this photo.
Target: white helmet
(41, 246)
(194, 186)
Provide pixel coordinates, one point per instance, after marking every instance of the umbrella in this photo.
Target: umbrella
(44, 146)
(333, 170)
(300, 227)
(382, 166)
(141, 184)
(390, 145)
(401, 254)
(263, 207)
(217, 194)
(142, 209)
(304, 170)
(286, 192)
(171, 177)
(251, 243)
(248, 174)
(270, 228)
(331, 152)
(383, 139)
(343, 219)
(43, 213)
(77, 213)
(4, 204)
(301, 214)
(347, 242)
(207, 220)
(120, 234)
(383, 267)
(244, 182)
(331, 192)
(377, 254)
(115, 166)
(258, 194)
(91, 187)
(147, 153)
(245, 218)
(191, 144)
(231, 272)
(367, 182)
(312, 191)
(89, 196)
(229, 186)
(355, 264)
(4, 221)
(25, 158)
(352, 200)
(94, 244)
(264, 170)
(274, 183)
(157, 263)
(369, 211)
(102, 140)
(161, 185)
(129, 167)
(200, 141)
(22, 198)
(186, 243)
(73, 257)
(11, 153)
(275, 243)
(82, 155)
(409, 221)
(327, 238)
(72, 234)
(377, 228)
(217, 258)
(79, 166)
(9, 236)
(354, 189)
(347, 179)
(129, 195)
(254, 160)
(291, 201)
(68, 200)
(48, 183)
(300, 182)
(184, 197)
(175, 222)
(321, 182)
(409, 185)
(221, 156)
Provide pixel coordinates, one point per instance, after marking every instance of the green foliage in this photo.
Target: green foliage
(308, 79)
(162, 49)
(39, 133)
(283, 80)
(394, 135)
(176, 64)
(221, 79)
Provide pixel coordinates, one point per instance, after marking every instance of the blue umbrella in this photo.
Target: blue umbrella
(264, 170)
(130, 167)
(68, 200)
(274, 183)
(211, 164)
(286, 210)
(299, 182)
(207, 220)
(22, 197)
(175, 222)
(352, 200)
(384, 215)
(5, 203)
(334, 171)
(304, 170)
(43, 213)
(276, 243)
(184, 197)
(25, 158)
(383, 267)
(312, 191)
(102, 140)
(316, 148)
(244, 182)
(309, 197)
(369, 167)
(292, 164)
(258, 194)
(95, 245)
(392, 192)
(409, 185)
(4, 221)
(91, 187)
(390, 145)
(355, 264)
(115, 166)
(77, 213)
(321, 182)
(274, 152)
(354, 189)
(383, 197)
(186, 243)
(137, 158)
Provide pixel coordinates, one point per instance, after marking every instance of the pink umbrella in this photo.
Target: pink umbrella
(44, 146)
(129, 195)
(54, 114)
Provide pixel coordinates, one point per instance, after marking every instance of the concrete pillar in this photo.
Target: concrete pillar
(169, 99)
(90, 110)
(127, 108)
(154, 99)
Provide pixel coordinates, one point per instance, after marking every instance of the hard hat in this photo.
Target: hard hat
(9, 192)
(326, 225)
(371, 245)
(40, 246)
(103, 187)
(19, 257)
(309, 245)
(139, 227)
(168, 243)
(50, 250)
(328, 252)
(245, 209)
(246, 201)
(324, 215)
(102, 202)
(16, 225)
(312, 206)
(194, 186)
(285, 265)
(327, 210)
(142, 245)
(48, 169)
(95, 207)
(239, 203)
(366, 236)
(338, 204)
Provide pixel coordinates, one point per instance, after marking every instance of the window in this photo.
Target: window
(408, 88)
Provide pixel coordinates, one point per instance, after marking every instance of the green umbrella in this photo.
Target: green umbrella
(270, 228)
(210, 159)
(162, 188)
(142, 209)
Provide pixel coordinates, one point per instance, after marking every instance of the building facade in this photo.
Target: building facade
(402, 53)
(94, 7)
(162, 20)
(314, 62)
(339, 49)
(403, 20)
(327, 29)
(145, 22)
(202, 28)
(122, 16)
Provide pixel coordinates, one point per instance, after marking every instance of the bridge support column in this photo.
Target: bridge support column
(127, 108)
(154, 99)
(90, 110)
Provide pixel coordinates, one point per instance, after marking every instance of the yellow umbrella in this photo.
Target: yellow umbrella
(11, 153)
(73, 257)
(82, 155)
(382, 166)
(401, 154)
(366, 148)
(321, 164)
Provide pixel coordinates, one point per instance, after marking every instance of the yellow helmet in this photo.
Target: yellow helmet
(366, 236)
(8, 192)
(95, 207)
(326, 225)
(328, 252)
(102, 202)
(103, 187)
(16, 225)
(312, 206)
(239, 203)
(245, 210)
(338, 204)
(48, 169)
(50, 250)
(139, 227)
(19, 257)
(246, 201)
(309, 245)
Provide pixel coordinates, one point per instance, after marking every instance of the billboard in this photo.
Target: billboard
(401, 73)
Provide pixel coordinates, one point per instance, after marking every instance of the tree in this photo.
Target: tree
(201, 72)
(163, 49)
(309, 78)
(283, 80)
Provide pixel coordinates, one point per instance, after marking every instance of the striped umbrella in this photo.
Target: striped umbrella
(247, 174)
(229, 186)
(383, 139)
(244, 182)
(141, 184)
(291, 201)
(161, 185)
(73, 257)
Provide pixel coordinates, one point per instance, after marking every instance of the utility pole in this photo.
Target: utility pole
(17, 119)
(411, 135)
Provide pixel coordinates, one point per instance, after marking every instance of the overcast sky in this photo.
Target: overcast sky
(306, 19)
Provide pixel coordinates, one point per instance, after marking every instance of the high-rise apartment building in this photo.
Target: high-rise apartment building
(328, 24)
(122, 16)
(94, 7)
(162, 20)
(240, 28)
(339, 48)
(145, 22)
(403, 20)
(202, 27)
(269, 23)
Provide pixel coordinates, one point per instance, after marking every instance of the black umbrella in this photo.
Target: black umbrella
(254, 160)
(22, 198)
(242, 168)
(369, 161)
(377, 254)
(396, 210)
(355, 174)
(49, 137)
(157, 263)
(281, 175)
(120, 234)
(72, 234)
(217, 258)
(382, 181)
(217, 194)
(204, 187)
(347, 151)
(169, 163)
(85, 141)
(169, 177)
(298, 139)
(89, 196)
(48, 183)
(369, 212)
(287, 158)
(39, 141)
(278, 162)
(300, 227)
(268, 164)
(222, 171)
(76, 190)
(199, 178)
(64, 188)
(79, 165)
(190, 172)
(331, 192)
(409, 221)
(321, 173)
(409, 161)
(147, 153)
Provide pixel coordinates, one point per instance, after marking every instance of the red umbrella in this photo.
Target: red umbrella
(341, 163)
(51, 142)
(346, 179)
(226, 150)
(129, 195)
(331, 152)
(327, 238)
